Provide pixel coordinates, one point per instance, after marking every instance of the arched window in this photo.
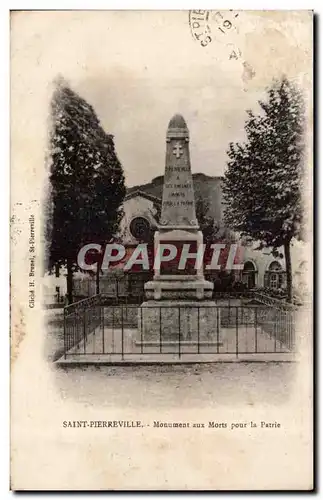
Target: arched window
(249, 274)
(275, 275)
(249, 266)
(275, 266)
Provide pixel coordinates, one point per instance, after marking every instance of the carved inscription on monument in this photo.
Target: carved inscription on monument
(177, 195)
(178, 206)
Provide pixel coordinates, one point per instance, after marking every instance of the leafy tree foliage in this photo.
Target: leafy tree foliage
(263, 182)
(87, 181)
(212, 230)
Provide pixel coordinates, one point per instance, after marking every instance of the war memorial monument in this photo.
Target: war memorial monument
(179, 302)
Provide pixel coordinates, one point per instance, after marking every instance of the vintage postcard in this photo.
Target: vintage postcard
(161, 250)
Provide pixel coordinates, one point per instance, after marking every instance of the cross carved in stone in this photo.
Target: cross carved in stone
(177, 150)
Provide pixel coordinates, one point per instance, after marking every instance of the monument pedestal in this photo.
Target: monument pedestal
(181, 284)
(187, 288)
(176, 321)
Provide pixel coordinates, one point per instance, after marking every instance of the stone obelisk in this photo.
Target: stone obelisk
(179, 304)
(178, 224)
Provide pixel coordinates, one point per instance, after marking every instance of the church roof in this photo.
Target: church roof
(205, 187)
(177, 122)
(143, 194)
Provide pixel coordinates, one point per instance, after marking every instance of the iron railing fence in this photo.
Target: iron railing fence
(81, 319)
(91, 327)
(116, 290)
(273, 301)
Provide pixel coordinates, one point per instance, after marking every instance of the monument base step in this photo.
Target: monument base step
(184, 343)
(177, 289)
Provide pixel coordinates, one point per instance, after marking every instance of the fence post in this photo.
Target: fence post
(113, 343)
(217, 329)
(102, 325)
(84, 328)
(256, 329)
(179, 332)
(160, 330)
(75, 329)
(93, 318)
(276, 319)
(198, 329)
(122, 347)
(237, 331)
(65, 339)
(141, 331)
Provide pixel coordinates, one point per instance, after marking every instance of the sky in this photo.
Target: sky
(137, 69)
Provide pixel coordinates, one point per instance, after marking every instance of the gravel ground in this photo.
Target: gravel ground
(181, 385)
(54, 342)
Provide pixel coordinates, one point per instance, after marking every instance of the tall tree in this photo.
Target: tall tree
(87, 182)
(263, 182)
